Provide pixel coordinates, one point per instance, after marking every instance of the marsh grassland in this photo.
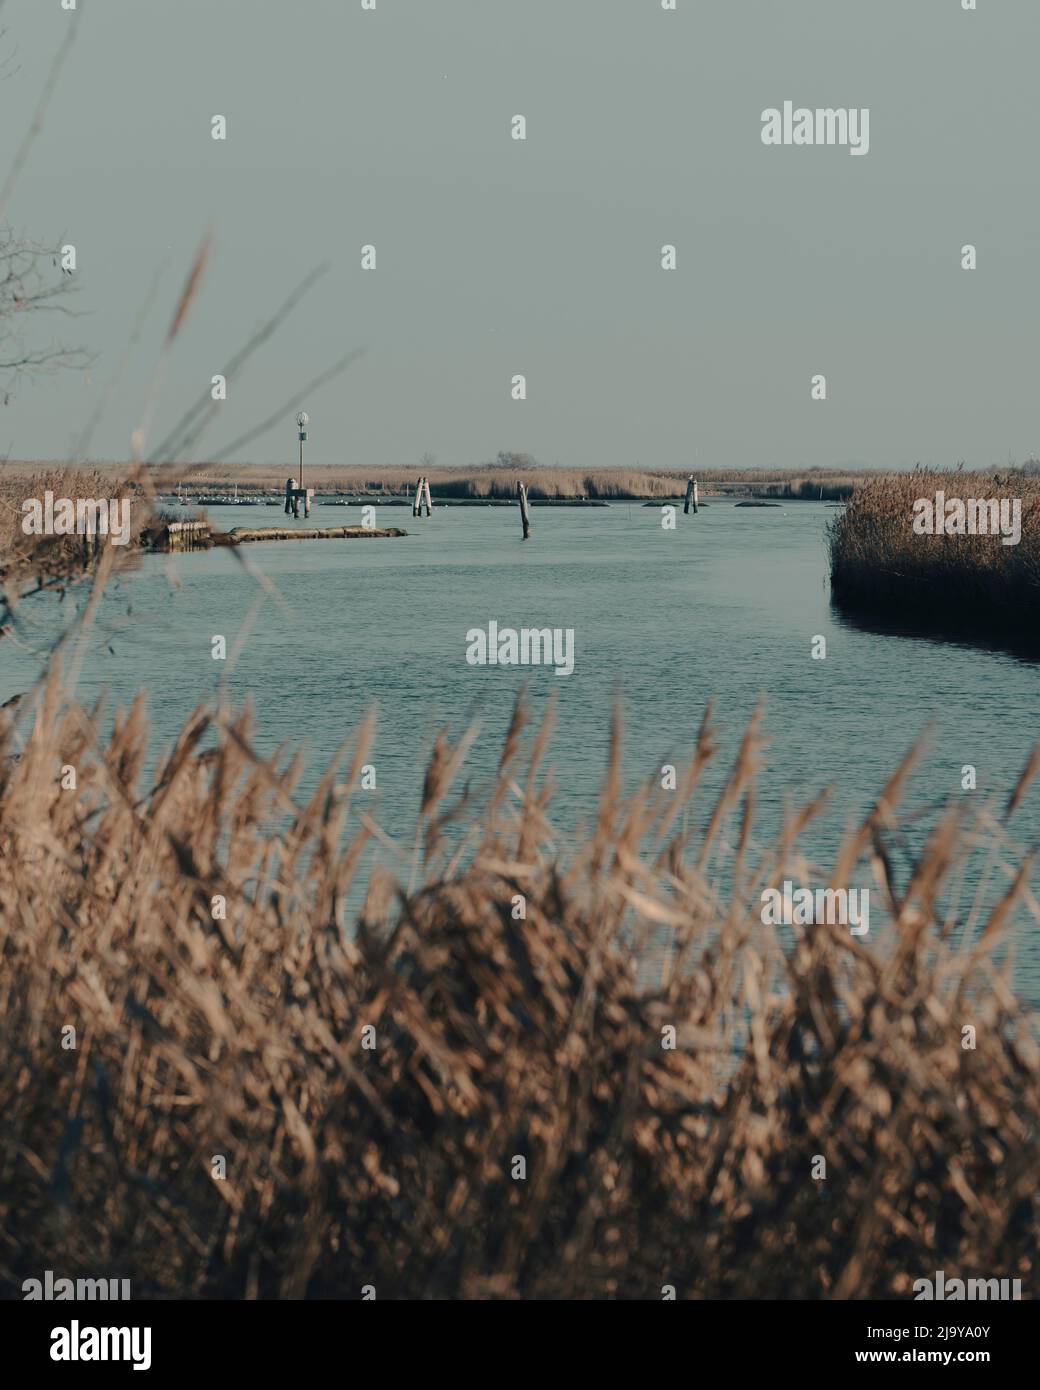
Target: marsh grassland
(483, 481)
(26, 559)
(960, 582)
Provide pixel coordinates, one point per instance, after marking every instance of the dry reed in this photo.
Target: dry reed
(497, 1035)
(956, 582)
(49, 559)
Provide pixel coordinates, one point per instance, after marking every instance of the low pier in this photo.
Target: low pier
(181, 535)
(240, 535)
(201, 535)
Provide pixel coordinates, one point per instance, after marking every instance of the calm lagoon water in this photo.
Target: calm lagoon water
(725, 607)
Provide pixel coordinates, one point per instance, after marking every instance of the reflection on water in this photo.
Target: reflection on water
(955, 629)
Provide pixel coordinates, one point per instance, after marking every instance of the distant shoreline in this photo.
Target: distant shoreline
(482, 483)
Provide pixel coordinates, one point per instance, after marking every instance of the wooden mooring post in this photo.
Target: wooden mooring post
(691, 495)
(294, 496)
(422, 495)
(184, 535)
(524, 518)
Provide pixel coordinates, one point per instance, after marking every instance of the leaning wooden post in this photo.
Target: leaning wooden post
(429, 499)
(417, 499)
(525, 519)
(691, 496)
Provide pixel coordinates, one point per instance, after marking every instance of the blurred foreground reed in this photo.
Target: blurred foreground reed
(497, 1036)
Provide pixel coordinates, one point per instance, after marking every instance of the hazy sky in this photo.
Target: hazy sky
(543, 257)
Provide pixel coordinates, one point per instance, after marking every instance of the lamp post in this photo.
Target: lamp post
(302, 420)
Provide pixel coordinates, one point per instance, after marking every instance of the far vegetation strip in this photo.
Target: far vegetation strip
(476, 483)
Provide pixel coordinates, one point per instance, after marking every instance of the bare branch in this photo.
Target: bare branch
(27, 289)
(53, 357)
